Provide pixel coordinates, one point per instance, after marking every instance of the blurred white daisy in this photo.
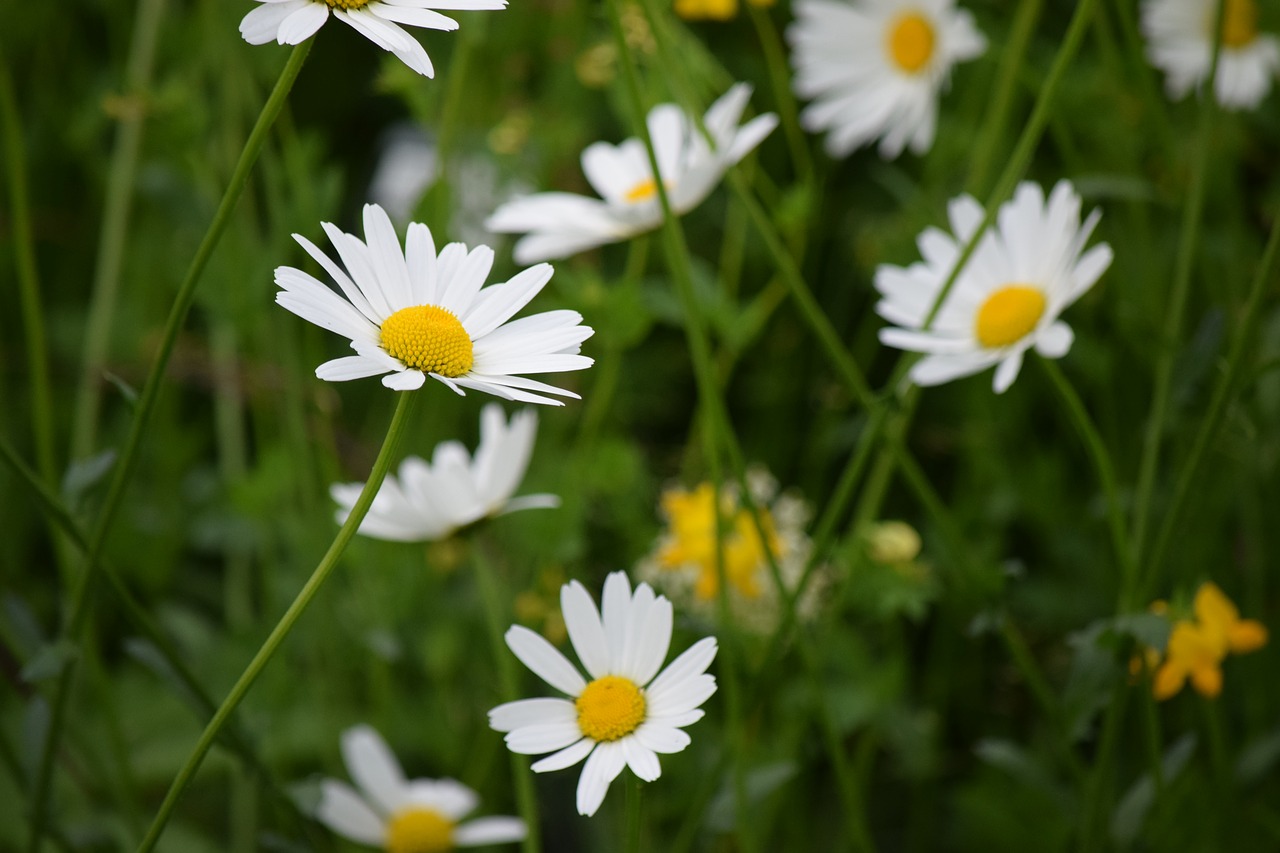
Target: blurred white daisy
(873, 68)
(295, 21)
(1180, 43)
(1023, 273)
(560, 224)
(624, 716)
(431, 500)
(403, 815)
(411, 314)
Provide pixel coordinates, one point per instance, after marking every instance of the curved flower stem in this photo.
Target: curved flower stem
(82, 595)
(1106, 474)
(496, 615)
(1222, 394)
(404, 406)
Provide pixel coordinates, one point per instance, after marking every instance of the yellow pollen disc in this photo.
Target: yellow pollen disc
(1008, 315)
(642, 191)
(911, 42)
(1239, 23)
(429, 338)
(347, 4)
(419, 830)
(610, 708)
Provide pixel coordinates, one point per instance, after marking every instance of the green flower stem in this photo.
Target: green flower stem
(993, 123)
(1106, 472)
(708, 392)
(780, 80)
(1155, 746)
(115, 225)
(634, 794)
(82, 595)
(404, 406)
(1097, 799)
(1175, 308)
(1044, 695)
(496, 615)
(1222, 395)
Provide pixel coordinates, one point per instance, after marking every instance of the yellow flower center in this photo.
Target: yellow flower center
(347, 4)
(642, 191)
(911, 42)
(1008, 315)
(610, 708)
(1239, 23)
(429, 338)
(419, 830)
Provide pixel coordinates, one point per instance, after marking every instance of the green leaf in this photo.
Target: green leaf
(49, 661)
(1131, 814)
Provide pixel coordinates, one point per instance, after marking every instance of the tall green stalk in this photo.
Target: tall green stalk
(404, 406)
(83, 593)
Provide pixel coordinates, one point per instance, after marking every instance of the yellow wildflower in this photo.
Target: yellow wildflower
(1198, 646)
(712, 10)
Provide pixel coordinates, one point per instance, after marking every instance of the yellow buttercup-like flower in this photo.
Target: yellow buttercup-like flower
(1198, 646)
(712, 10)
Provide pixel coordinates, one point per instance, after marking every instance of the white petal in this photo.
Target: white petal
(1054, 341)
(374, 768)
(1008, 371)
(566, 757)
(585, 631)
(404, 380)
(531, 712)
(642, 760)
(303, 24)
(694, 661)
(449, 797)
(602, 767)
(544, 660)
(535, 740)
(662, 738)
(490, 830)
(342, 810)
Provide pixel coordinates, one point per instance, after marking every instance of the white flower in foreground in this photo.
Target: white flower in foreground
(560, 224)
(295, 21)
(412, 314)
(624, 716)
(1180, 43)
(874, 68)
(400, 815)
(1023, 273)
(430, 500)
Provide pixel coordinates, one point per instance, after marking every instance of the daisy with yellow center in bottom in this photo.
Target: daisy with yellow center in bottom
(1023, 273)
(412, 314)
(874, 68)
(624, 716)
(295, 21)
(1180, 41)
(558, 224)
(400, 815)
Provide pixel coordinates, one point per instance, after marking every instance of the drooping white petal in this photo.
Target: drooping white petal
(544, 660)
(602, 767)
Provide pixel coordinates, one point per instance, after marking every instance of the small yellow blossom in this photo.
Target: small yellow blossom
(1198, 646)
(713, 10)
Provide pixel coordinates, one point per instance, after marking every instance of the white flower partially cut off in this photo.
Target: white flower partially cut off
(624, 716)
(1180, 43)
(411, 314)
(874, 69)
(295, 21)
(404, 815)
(431, 500)
(559, 224)
(1024, 272)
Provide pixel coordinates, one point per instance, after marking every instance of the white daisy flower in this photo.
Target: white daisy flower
(1180, 43)
(874, 68)
(1023, 273)
(295, 21)
(411, 314)
(431, 500)
(624, 716)
(560, 224)
(404, 815)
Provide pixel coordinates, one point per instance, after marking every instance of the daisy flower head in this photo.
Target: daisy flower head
(403, 815)
(874, 68)
(431, 500)
(411, 313)
(1023, 273)
(295, 21)
(1180, 43)
(628, 713)
(558, 224)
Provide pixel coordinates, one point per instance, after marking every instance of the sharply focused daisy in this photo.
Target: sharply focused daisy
(623, 716)
(1023, 273)
(1180, 43)
(873, 68)
(430, 500)
(560, 224)
(412, 314)
(404, 815)
(295, 21)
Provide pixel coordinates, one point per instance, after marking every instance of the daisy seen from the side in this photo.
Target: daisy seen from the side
(411, 313)
(1024, 272)
(873, 69)
(559, 224)
(295, 21)
(1180, 41)
(628, 713)
(431, 500)
(403, 815)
